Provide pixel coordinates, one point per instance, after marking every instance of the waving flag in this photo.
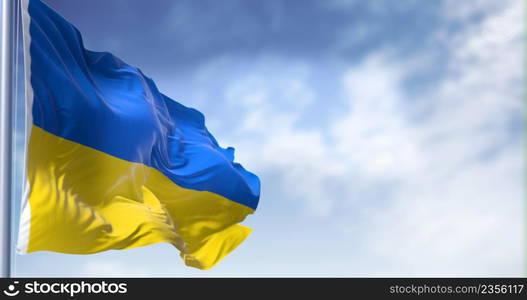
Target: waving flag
(112, 163)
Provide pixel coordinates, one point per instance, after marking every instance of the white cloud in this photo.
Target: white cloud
(450, 182)
(375, 136)
(110, 268)
(465, 10)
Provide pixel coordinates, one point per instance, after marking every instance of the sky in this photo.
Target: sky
(388, 136)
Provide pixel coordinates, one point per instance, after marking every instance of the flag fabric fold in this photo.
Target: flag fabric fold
(112, 163)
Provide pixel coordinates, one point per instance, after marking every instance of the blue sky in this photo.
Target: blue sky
(387, 135)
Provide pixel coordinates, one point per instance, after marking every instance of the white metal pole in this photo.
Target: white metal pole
(6, 134)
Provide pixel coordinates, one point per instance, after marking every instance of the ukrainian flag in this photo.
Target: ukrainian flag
(112, 163)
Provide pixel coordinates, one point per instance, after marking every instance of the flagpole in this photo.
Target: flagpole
(6, 133)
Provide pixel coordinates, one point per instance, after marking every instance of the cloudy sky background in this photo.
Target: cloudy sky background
(388, 135)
